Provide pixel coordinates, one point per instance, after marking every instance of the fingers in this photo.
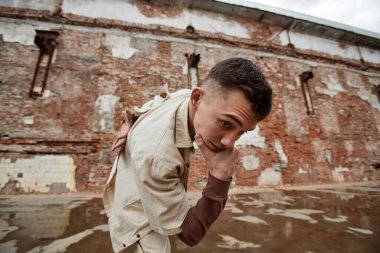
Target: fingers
(118, 143)
(122, 134)
(198, 139)
(128, 115)
(124, 130)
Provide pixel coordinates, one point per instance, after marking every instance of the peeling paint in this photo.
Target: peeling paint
(105, 109)
(200, 20)
(252, 138)
(333, 86)
(281, 154)
(120, 45)
(301, 171)
(28, 120)
(250, 162)
(338, 175)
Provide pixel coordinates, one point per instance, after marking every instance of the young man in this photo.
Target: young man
(145, 196)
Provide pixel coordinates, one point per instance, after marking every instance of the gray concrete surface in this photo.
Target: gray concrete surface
(313, 219)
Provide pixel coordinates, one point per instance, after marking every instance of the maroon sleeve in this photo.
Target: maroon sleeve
(205, 212)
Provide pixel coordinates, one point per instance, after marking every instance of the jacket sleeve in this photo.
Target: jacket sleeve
(201, 216)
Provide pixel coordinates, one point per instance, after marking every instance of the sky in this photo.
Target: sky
(364, 14)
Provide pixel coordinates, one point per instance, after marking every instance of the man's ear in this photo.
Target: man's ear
(196, 96)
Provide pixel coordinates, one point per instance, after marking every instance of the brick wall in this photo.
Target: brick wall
(101, 65)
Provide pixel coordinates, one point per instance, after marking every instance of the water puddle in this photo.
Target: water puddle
(325, 220)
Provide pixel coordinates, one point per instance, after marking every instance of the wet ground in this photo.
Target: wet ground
(344, 218)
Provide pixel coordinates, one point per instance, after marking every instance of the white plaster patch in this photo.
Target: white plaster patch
(8, 247)
(333, 86)
(284, 39)
(318, 44)
(372, 147)
(230, 242)
(26, 4)
(329, 119)
(194, 77)
(185, 69)
(42, 173)
(270, 177)
(28, 119)
(370, 54)
(251, 219)
(252, 138)
(338, 175)
(301, 214)
(301, 171)
(361, 230)
(120, 46)
(280, 152)
(127, 11)
(250, 162)
(23, 34)
(62, 244)
(365, 93)
(339, 218)
(105, 108)
(349, 146)
(368, 96)
(295, 114)
(328, 155)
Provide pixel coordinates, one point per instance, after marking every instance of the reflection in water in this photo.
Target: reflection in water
(266, 222)
(288, 229)
(49, 225)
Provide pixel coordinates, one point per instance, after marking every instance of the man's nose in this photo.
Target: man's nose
(229, 140)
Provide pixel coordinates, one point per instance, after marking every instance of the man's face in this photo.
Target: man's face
(221, 117)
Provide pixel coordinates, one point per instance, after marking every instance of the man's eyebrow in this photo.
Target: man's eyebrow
(234, 118)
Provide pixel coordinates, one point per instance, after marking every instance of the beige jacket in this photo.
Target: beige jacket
(146, 189)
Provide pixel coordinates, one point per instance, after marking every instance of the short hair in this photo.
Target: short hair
(244, 75)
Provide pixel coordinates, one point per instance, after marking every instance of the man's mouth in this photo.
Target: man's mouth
(213, 147)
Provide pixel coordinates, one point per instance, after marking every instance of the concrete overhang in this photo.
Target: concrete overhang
(288, 20)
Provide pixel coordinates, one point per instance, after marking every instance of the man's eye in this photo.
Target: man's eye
(225, 124)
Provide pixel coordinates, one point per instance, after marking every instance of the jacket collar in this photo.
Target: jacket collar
(182, 135)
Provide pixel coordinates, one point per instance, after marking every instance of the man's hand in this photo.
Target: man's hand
(124, 130)
(222, 163)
